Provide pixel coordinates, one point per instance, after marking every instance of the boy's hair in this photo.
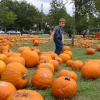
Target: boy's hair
(62, 20)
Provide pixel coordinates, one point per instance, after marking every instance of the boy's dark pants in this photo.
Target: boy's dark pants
(58, 46)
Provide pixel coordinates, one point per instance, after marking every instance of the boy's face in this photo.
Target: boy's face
(62, 24)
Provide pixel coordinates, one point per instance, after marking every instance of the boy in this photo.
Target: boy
(58, 36)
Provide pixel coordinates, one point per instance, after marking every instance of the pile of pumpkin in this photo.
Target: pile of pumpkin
(14, 73)
(85, 42)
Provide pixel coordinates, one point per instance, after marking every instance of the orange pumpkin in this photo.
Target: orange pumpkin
(3, 57)
(47, 65)
(68, 73)
(98, 47)
(15, 59)
(91, 70)
(69, 53)
(64, 87)
(65, 57)
(31, 58)
(90, 51)
(6, 89)
(58, 59)
(69, 62)
(36, 42)
(2, 66)
(76, 64)
(16, 74)
(42, 78)
(25, 95)
(66, 48)
(55, 63)
(21, 49)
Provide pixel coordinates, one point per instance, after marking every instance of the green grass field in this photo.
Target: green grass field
(88, 89)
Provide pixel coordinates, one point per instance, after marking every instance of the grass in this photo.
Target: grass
(88, 89)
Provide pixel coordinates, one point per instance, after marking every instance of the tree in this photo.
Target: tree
(6, 15)
(26, 13)
(83, 9)
(57, 11)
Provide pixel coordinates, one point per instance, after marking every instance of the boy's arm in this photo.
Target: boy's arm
(52, 34)
(63, 38)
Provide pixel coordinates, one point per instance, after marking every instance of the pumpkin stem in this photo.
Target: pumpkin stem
(25, 95)
(67, 78)
(24, 76)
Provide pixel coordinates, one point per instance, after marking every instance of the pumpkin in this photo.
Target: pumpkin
(46, 57)
(3, 57)
(69, 62)
(37, 50)
(36, 42)
(91, 70)
(31, 58)
(64, 57)
(25, 95)
(69, 53)
(64, 87)
(6, 89)
(90, 51)
(16, 74)
(68, 73)
(55, 63)
(21, 49)
(42, 78)
(8, 52)
(15, 59)
(66, 48)
(98, 47)
(16, 54)
(76, 64)
(58, 59)
(2, 66)
(47, 65)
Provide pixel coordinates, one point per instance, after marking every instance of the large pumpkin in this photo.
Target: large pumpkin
(6, 89)
(91, 70)
(15, 59)
(64, 87)
(2, 66)
(17, 74)
(25, 95)
(31, 58)
(42, 78)
(68, 73)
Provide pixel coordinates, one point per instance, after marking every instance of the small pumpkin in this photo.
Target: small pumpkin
(25, 95)
(90, 51)
(66, 48)
(6, 89)
(98, 47)
(58, 59)
(64, 87)
(42, 78)
(16, 74)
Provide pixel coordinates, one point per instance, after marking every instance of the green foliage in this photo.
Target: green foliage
(6, 15)
(26, 13)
